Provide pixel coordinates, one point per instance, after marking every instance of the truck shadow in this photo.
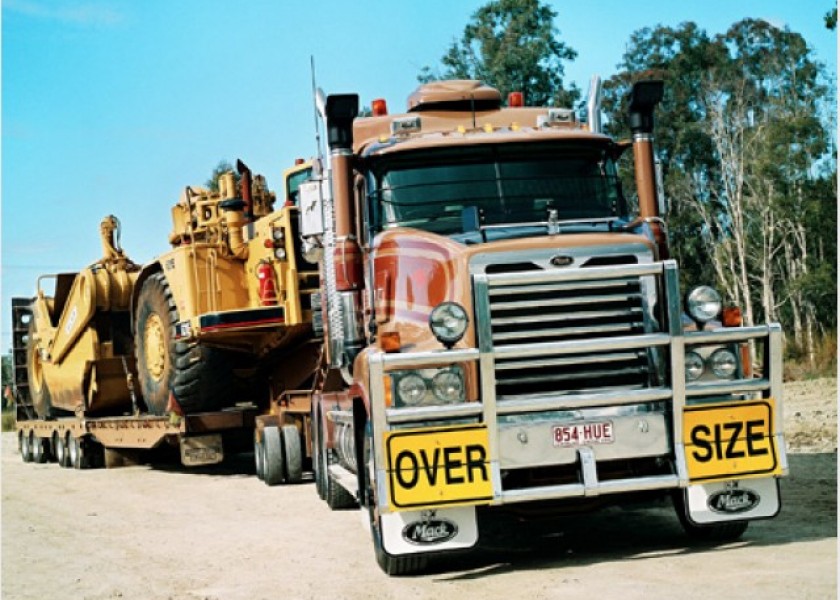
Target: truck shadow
(809, 512)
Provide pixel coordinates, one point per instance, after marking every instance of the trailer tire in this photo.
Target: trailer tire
(25, 447)
(259, 457)
(292, 453)
(274, 467)
(40, 452)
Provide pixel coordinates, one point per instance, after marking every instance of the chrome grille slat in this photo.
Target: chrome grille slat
(562, 302)
(571, 316)
(565, 332)
(565, 362)
(587, 375)
(555, 287)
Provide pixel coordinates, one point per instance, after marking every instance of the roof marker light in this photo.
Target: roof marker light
(379, 107)
(516, 100)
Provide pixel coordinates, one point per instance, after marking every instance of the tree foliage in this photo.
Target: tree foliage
(748, 165)
(512, 45)
(221, 168)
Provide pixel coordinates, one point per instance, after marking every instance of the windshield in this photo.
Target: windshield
(507, 184)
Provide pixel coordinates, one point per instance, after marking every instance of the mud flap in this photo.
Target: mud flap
(739, 500)
(201, 450)
(411, 532)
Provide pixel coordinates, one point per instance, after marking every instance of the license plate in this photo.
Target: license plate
(728, 441)
(583, 434)
(202, 450)
(439, 467)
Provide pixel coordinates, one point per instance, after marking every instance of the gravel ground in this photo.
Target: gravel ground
(218, 534)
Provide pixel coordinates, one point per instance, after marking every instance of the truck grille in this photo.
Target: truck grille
(562, 311)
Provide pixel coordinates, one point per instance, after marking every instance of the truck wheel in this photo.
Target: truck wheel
(274, 465)
(719, 532)
(293, 454)
(335, 496)
(408, 564)
(317, 468)
(39, 393)
(259, 458)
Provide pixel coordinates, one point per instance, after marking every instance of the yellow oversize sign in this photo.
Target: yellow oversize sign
(727, 441)
(438, 467)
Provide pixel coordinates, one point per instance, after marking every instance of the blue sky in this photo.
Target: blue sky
(113, 106)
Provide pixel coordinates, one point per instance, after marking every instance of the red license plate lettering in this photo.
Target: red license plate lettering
(582, 434)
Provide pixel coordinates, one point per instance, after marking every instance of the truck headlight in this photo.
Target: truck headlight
(429, 387)
(703, 304)
(448, 322)
(693, 366)
(411, 389)
(448, 386)
(723, 363)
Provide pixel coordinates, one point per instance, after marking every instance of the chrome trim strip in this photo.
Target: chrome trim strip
(565, 362)
(587, 274)
(487, 375)
(727, 335)
(719, 388)
(428, 359)
(616, 486)
(522, 404)
(580, 346)
(432, 413)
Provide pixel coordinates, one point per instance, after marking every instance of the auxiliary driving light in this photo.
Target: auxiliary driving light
(723, 363)
(703, 304)
(448, 386)
(448, 322)
(693, 366)
(411, 389)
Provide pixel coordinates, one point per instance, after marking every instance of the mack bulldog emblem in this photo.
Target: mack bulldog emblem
(561, 260)
(430, 531)
(733, 500)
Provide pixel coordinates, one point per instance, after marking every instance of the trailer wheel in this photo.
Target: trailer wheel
(719, 532)
(62, 453)
(38, 446)
(259, 458)
(292, 453)
(25, 447)
(274, 467)
(39, 393)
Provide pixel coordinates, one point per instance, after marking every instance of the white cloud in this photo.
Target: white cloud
(85, 14)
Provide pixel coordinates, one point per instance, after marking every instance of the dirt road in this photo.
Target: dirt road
(167, 533)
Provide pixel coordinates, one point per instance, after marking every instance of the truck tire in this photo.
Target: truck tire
(292, 453)
(259, 457)
(274, 464)
(408, 564)
(39, 393)
(336, 497)
(718, 532)
(317, 468)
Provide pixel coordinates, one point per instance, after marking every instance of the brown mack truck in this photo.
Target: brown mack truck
(201, 346)
(503, 331)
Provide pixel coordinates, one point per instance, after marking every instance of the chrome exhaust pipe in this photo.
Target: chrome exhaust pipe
(593, 105)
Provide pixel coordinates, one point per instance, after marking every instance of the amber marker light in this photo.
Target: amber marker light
(731, 317)
(389, 390)
(390, 341)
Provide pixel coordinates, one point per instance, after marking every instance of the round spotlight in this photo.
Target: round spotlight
(448, 322)
(703, 304)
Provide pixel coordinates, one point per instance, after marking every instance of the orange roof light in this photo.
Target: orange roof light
(379, 107)
(299, 161)
(516, 99)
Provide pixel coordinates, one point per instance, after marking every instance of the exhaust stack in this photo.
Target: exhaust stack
(593, 105)
(644, 97)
